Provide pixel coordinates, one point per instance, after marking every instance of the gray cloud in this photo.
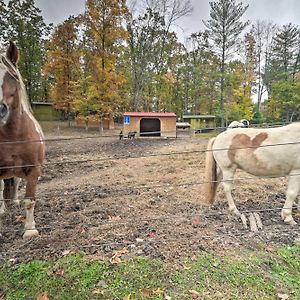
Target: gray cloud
(279, 11)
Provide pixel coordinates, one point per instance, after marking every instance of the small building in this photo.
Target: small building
(150, 124)
(45, 111)
(200, 123)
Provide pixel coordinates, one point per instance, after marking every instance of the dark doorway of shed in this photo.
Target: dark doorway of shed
(150, 127)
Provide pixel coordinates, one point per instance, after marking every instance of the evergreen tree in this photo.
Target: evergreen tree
(26, 26)
(224, 27)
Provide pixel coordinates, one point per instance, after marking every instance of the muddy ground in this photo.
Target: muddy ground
(93, 198)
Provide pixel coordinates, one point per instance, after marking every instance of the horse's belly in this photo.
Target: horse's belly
(264, 167)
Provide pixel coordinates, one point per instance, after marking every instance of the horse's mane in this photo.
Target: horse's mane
(15, 73)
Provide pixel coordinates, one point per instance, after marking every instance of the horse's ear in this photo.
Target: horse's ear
(12, 53)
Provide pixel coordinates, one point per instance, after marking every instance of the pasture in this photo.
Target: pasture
(117, 201)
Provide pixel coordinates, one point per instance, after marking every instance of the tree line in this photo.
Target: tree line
(117, 56)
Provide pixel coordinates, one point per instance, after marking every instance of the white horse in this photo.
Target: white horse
(239, 124)
(260, 152)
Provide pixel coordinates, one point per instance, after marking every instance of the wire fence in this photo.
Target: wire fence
(146, 187)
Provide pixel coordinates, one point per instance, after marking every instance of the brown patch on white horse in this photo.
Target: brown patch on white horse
(242, 151)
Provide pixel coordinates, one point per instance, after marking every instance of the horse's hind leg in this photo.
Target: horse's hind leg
(228, 175)
(2, 203)
(291, 194)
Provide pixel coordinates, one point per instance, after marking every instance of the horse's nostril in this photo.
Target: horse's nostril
(3, 110)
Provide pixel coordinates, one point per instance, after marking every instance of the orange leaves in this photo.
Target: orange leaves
(43, 296)
(116, 258)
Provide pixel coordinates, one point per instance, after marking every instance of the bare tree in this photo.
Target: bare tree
(263, 33)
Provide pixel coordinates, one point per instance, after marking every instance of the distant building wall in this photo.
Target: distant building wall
(44, 111)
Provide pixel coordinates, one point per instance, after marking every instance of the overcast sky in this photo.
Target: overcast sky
(279, 11)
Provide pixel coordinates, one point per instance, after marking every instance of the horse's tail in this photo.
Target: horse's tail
(8, 188)
(210, 185)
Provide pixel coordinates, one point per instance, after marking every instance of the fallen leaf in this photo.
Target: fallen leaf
(158, 291)
(196, 223)
(114, 218)
(270, 248)
(146, 293)
(98, 292)
(43, 296)
(297, 214)
(282, 296)
(60, 272)
(20, 219)
(116, 258)
(194, 293)
(127, 297)
(152, 234)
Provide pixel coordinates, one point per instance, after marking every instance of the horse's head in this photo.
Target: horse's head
(9, 82)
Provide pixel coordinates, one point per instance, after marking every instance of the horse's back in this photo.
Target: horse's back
(270, 151)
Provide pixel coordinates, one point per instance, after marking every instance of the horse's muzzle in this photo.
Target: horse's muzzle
(3, 110)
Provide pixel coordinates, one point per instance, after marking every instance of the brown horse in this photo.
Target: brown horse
(22, 148)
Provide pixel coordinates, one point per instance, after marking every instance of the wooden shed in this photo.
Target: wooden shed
(200, 123)
(150, 124)
(44, 111)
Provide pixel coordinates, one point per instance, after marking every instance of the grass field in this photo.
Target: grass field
(272, 273)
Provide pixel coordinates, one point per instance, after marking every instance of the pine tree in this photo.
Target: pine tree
(25, 25)
(224, 28)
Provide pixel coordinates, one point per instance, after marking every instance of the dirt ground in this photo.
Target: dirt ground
(94, 198)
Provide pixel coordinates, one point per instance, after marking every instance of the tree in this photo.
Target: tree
(285, 45)
(224, 27)
(103, 43)
(26, 26)
(151, 45)
(63, 66)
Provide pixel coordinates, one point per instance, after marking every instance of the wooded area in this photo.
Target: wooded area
(117, 57)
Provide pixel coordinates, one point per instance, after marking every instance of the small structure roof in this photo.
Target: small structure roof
(150, 114)
(198, 117)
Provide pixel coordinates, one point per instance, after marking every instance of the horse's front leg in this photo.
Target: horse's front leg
(2, 202)
(29, 204)
(15, 190)
(228, 176)
(291, 194)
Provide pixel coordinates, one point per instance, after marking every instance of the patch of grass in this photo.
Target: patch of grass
(247, 275)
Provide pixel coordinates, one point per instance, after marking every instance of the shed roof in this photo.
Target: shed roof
(150, 114)
(198, 117)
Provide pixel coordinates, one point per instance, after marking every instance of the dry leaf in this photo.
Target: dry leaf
(196, 223)
(127, 297)
(158, 291)
(194, 293)
(282, 296)
(20, 219)
(98, 292)
(114, 218)
(60, 272)
(270, 248)
(297, 214)
(146, 293)
(116, 258)
(43, 296)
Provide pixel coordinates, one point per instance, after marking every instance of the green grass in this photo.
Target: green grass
(245, 275)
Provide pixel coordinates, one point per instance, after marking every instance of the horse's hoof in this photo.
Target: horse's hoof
(289, 220)
(17, 202)
(29, 233)
(2, 211)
